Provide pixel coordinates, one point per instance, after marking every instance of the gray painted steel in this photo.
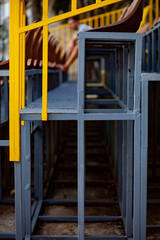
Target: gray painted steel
(18, 200)
(145, 79)
(68, 102)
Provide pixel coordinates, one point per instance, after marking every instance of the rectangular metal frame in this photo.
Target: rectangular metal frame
(131, 116)
(145, 79)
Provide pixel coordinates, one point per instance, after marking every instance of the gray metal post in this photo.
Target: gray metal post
(144, 146)
(40, 169)
(137, 166)
(129, 178)
(146, 77)
(81, 139)
(124, 160)
(6, 96)
(23, 174)
(0, 175)
(137, 132)
(0, 155)
(27, 178)
(38, 162)
(47, 149)
(18, 200)
(130, 82)
(29, 90)
(120, 165)
(52, 143)
(81, 178)
(125, 70)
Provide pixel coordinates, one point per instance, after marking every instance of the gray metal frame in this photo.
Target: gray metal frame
(124, 89)
(128, 115)
(22, 185)
(4, 117)
(84, 115)
(145, 79)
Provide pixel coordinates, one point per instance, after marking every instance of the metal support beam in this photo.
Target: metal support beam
(18, 200)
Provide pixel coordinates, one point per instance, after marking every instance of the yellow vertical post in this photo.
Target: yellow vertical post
(11, 82)
(17, 81)
(14, 97)
(22, 56)
(157, 8)
(90, 23)
(150, 13)
(45, 62)
(98, 1)
(103, 77)
(107, 19)
(96, 22)
(119, 14)
(113, 17)
(74, 5)
(102, 21)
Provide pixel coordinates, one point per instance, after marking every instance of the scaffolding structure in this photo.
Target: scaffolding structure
(40, 99)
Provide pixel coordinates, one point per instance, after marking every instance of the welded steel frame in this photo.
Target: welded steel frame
(145, 79)
(4, 118)
(34, 90)
(136, 57)
(150, 53)
(131, 116)
(151, 63)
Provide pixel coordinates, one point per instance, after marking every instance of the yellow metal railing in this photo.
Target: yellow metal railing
(105, 19)
(17, 61)
(151, 12)
(63, 33)
(18, 29)
(95, 21)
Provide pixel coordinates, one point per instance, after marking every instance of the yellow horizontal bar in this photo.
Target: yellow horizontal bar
(67, 15)
(94, 84)
(101, 15)
(59, 27)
